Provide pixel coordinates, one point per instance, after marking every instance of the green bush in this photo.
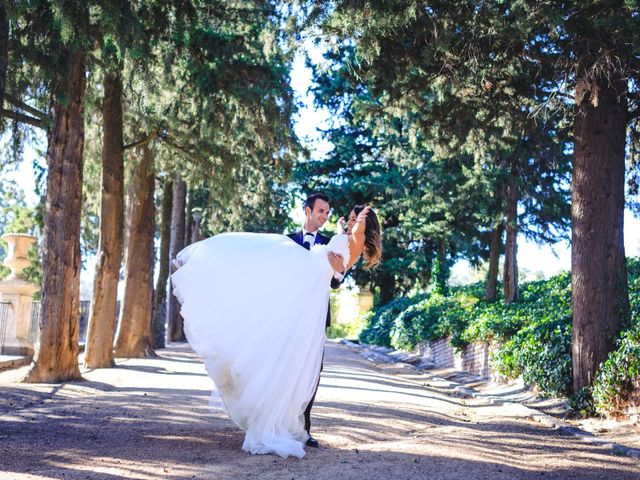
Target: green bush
(617, 376)
(379, 322)
(534, 334)
(347, 330)
(432, 318)
(541, 353)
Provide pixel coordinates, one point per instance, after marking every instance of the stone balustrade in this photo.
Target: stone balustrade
(16, 291)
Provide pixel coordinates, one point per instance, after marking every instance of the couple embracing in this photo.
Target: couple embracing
(255, 307)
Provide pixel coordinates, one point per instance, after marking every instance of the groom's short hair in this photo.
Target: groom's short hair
(311, 200)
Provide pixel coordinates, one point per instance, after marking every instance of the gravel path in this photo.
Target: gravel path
(149, 419)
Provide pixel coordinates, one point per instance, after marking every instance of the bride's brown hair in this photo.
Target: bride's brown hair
(372, 238)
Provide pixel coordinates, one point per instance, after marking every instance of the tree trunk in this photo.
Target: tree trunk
(196, 233)
(102, 318)
(134, 328)
(4, 52)
(494, 260)
(160, 294)
(56, 359)
(386, 287)
(188, 229)
(598, 264)
(441, 270)
(511, 245)
(176, 332)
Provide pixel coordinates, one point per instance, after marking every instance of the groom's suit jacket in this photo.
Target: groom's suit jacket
(320, 240)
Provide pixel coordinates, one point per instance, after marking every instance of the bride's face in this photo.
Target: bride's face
(351, 221)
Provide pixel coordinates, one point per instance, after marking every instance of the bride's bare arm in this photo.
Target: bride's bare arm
(356, 238)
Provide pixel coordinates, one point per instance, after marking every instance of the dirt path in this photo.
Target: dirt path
(149, 419)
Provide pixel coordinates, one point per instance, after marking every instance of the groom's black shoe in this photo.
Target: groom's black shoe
(312, 442)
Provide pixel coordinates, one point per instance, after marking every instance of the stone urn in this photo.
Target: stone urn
(17, 255)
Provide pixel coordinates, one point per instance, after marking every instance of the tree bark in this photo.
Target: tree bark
(598, 264)
(441, 270)
(176, 331)
(134, 328)
(4, 53)
(102, 318)
(196, 232)
(386, 287)
(188, 229)
(495, 248)
(160, 294)
(56, 359)
(511, 244)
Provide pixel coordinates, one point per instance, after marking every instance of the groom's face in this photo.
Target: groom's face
(317, 217)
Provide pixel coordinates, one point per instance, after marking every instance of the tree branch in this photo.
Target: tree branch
(142, 141)
(23, 106)
(20, 117)
(176, 145)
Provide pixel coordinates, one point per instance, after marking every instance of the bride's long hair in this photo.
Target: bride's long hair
(372, 238)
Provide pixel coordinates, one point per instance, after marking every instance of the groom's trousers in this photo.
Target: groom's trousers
(307, 411)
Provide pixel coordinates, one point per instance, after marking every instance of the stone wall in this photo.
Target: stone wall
(474, 359)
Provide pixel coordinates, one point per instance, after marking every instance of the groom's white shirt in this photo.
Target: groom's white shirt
(306, 233)
(337, 275)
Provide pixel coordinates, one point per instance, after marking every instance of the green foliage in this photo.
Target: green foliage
(582, 402)
(349, 331)
(380, 321)
(224, 113)
(620, 373)
(541, 353)
(433, 135)
(17, 217)
(440, 275)
(534, 335)
(435, 317)
(421, 201)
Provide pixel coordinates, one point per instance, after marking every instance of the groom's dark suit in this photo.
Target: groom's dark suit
(320, 240)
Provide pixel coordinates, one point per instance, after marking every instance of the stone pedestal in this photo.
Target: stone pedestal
(19, 293)
(365, 300)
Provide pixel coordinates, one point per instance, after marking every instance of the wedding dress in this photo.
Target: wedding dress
(254, 308)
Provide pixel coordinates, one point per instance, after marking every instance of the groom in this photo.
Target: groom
(316, 210)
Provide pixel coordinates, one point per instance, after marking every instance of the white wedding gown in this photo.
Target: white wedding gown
(254, 308)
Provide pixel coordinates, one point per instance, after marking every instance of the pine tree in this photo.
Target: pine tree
(458, 191)
(526, 57)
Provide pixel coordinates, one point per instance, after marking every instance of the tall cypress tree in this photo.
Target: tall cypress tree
(56, 359)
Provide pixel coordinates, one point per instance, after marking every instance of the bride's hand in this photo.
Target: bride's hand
(340, 228)
(361, 219)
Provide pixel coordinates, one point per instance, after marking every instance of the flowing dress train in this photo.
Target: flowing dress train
(254, 308)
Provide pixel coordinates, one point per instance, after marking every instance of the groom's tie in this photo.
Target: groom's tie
(306, 241)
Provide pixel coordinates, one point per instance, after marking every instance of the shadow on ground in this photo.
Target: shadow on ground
(149, 419)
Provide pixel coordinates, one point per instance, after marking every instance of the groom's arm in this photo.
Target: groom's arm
(336, 282)
(339, 271)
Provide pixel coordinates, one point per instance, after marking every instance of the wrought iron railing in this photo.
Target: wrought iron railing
(85, 308)
(34, 325)
(5, 311)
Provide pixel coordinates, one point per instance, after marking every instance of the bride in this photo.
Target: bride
(254, 308)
